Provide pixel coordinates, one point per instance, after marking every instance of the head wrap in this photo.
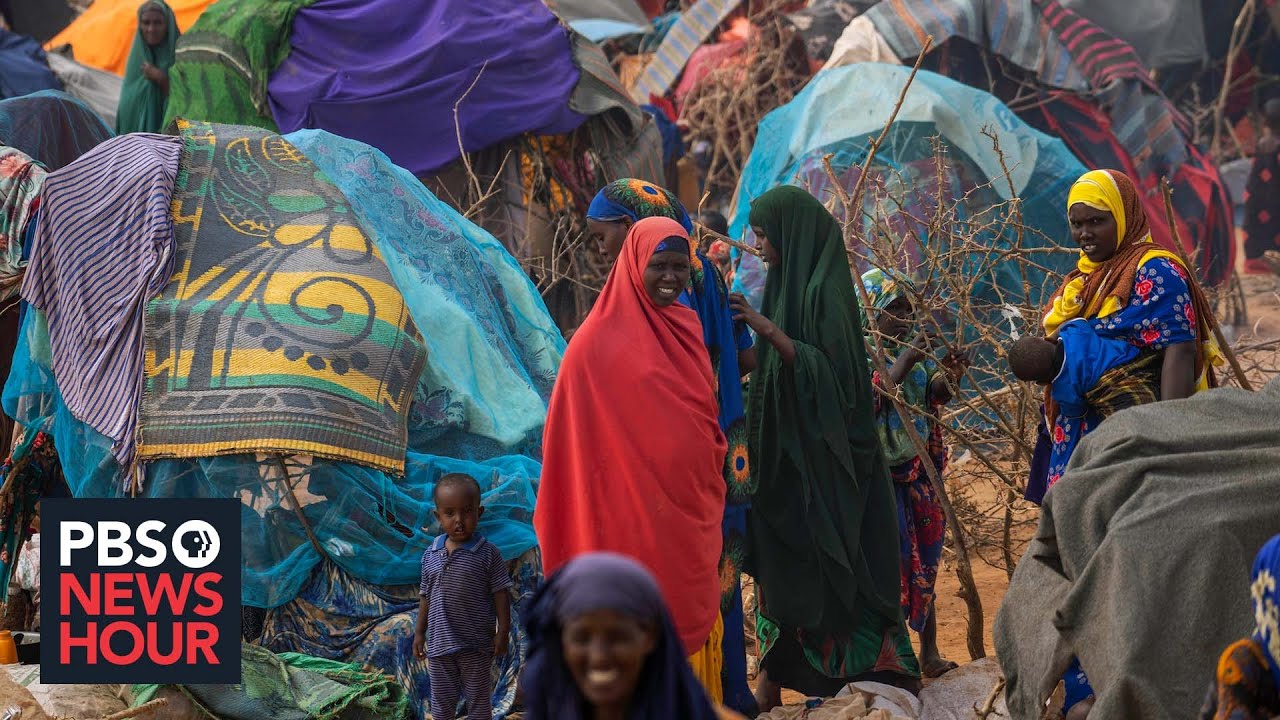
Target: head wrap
(1266, 603)
(1113, 192)
(1086, 289)
(885, 286)
(635, 200)
(606, 581)
(636, 364)
(675, 243)
(142, 102)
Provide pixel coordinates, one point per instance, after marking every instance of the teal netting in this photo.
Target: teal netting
(51, 126)
(478, 409)
(841, 112)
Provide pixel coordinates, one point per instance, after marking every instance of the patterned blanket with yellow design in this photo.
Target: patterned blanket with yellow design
(281, 329)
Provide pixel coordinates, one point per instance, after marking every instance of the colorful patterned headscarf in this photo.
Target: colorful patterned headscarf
(885, 286)
(1266, 603)
(636, 200)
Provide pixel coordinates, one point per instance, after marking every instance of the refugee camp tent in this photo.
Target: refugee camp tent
(461, 76)
(1053, 47)
(102, 36)
(23, 68)
(1140, 566)
(840, 113)
(331, 542)
(540, 111)
(52, 127)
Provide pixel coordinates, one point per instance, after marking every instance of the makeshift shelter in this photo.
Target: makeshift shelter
(1141, 563)
(330, 547)
(469, 75)
(23, 68)
(840, 113)
(1042, 50)
(102, 36)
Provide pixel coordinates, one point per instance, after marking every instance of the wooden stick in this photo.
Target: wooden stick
(1212, 320)
(143, 709)
(968, 587)
(989, 707)
(727, 240)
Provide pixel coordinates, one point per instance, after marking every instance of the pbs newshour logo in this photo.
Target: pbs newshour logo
(140, 591)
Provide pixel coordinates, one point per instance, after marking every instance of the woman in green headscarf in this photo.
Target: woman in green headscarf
(823, 534)
(146, 75)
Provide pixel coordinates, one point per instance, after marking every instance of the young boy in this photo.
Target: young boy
(463, 594)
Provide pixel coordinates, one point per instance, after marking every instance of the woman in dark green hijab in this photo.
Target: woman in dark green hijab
(146, 75)
(823, 530)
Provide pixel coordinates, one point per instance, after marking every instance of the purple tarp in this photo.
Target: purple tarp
(388, 73)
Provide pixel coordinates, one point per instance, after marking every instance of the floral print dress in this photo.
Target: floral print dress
(1160, 313)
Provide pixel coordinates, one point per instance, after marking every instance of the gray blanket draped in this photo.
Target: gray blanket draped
(1140, 565)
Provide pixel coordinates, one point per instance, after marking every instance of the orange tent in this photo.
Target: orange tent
(102, 36)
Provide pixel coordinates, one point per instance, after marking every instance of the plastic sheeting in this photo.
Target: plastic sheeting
(601, 20)
(99, 89)
(842, 110)
(494, 348)
(22, 66)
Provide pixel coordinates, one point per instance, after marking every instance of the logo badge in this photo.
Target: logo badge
(140, 591)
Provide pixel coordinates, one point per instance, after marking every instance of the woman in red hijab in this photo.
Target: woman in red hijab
(632, 450)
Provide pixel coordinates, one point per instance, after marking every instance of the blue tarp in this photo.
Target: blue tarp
(23, 69)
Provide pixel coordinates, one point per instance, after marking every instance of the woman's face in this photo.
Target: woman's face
(896, 319)
(153, 27)
(666, 276)
(767, 250)
(1094, 231)
(609, 236)
(605, 652)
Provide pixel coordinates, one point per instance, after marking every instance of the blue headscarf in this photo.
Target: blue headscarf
(636, 200)
(1266, 604)
(606, 581)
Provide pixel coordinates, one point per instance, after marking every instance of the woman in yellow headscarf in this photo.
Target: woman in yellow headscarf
(1127, 288)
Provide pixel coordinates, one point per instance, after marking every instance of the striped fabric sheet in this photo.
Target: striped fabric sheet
(103, 247)
(685, 36)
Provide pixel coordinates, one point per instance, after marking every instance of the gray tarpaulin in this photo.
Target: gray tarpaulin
(1140, 565)
(98, 89)
(1163, 32)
